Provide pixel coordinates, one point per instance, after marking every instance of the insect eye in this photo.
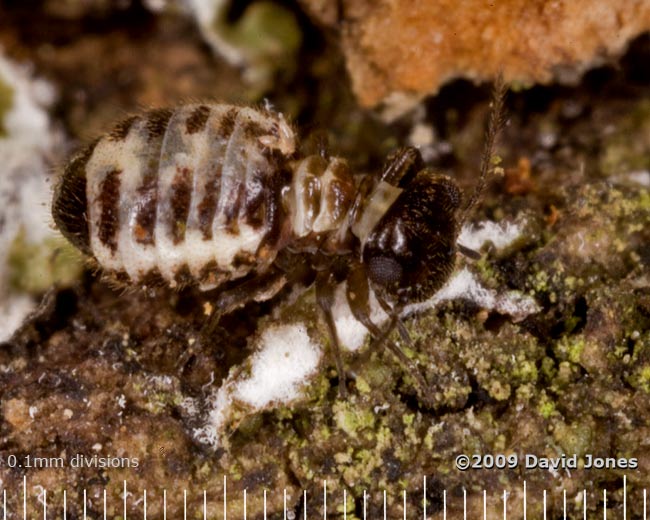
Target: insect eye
(384, 270)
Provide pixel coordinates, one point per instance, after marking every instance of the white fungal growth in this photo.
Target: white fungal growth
(638, 177)
(465, 285)
(352, 334)
(287, 356)
(27, 144)
(285, 360)
(209, 14)
(501, 234)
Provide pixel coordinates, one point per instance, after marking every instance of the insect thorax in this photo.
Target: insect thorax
(318, 202)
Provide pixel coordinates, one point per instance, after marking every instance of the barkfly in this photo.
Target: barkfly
(209, 194)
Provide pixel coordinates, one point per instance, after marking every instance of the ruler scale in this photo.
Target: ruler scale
(424, 497)
(464, 504)
(38, 496)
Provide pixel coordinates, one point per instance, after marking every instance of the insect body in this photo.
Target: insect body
(211, 193)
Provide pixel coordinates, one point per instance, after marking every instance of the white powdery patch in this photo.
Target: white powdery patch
(24, 192)
(352, 334)
(13, 311)
(209, 14)
(462, 285)
(465, 285)
(640, 177)
(285, 359)
(501, 234)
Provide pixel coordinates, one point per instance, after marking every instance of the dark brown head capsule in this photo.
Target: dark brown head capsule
(412, 250)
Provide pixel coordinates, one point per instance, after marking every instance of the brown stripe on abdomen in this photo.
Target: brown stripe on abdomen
(145, 220)
(122, 128)
(179, 200)
(197, 119)
(208, 206)
(109, 199)
(231, 212)
(157, 121)
(253, 130)
(254, 208)
(227, 123)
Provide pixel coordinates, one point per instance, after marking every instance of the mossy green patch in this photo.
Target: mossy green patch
(571, 348)
(546, 407)
(34, 267)
(574, 438)
(351, 418)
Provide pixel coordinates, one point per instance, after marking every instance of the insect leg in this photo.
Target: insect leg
(469, 253)
(358, 294)
(401, 166)
(259, 288)
(325, 285)
(401, 328)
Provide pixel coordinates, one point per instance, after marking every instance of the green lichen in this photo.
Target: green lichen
(643, 380)
(34, 267)
(574, 438)
(352, 419)
(571, 348)
(525, 371)
(546, 407)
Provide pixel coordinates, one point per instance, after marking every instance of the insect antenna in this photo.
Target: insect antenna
(495, 124)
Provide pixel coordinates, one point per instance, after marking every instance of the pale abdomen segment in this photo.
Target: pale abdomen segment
(189, 194)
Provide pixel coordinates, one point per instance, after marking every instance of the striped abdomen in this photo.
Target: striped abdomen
(190, 194)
